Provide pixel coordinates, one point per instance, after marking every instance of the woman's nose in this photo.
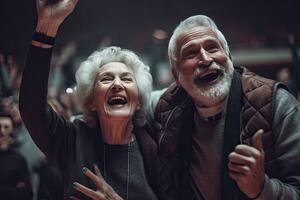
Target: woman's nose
(117, 85)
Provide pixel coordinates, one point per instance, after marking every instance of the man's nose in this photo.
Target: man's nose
(205, 58)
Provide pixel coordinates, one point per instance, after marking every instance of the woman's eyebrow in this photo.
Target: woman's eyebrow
(127, 73)
(105, 74)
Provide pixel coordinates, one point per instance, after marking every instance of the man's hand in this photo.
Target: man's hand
(103, 192)
(246, 166)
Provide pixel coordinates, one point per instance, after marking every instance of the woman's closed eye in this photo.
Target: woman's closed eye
(106, 79)
(127, 79)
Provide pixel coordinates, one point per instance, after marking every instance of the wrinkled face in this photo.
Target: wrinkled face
(204, 69)
(6, 130)
(115, 91)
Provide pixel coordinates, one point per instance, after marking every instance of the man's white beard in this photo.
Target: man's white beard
(221, 89)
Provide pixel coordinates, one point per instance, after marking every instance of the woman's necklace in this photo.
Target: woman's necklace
(128, 165)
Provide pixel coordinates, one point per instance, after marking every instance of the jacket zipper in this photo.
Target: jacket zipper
(163, 130)
(163, 135)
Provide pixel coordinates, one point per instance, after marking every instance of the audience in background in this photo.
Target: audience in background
(14, 174)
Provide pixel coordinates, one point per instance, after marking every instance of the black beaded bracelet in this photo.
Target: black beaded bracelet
(42, 38)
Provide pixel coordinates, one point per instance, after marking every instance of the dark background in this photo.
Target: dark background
(247, 25)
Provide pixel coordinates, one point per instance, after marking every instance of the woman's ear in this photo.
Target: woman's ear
(91, 105)
(138, 107)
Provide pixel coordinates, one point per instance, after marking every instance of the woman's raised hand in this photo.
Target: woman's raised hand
(55, 12)
(52, 13)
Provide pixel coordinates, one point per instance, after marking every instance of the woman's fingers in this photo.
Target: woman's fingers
(104, 190)
(97, 171)
(97, 180)
(74, 198)
(96, 195)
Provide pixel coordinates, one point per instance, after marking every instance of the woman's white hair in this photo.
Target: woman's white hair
(186, 25)
(88, 70)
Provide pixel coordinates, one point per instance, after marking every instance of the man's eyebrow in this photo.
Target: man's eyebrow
(188, 46)
(212, 40)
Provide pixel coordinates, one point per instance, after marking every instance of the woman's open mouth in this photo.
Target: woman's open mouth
(116, 100)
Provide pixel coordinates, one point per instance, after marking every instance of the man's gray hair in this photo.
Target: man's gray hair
(186, 25)
(88, 70)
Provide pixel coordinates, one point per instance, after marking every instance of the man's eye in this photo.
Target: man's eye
(212, 48)
(190, 54)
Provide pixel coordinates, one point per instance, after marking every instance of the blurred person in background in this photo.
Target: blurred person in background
(25, 146)
(14, 174)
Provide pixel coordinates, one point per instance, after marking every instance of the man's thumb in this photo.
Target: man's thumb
(257, 140)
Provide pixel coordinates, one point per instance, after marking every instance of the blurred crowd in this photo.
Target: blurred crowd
(25, 171)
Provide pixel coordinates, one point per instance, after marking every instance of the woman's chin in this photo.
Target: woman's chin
(119, 113)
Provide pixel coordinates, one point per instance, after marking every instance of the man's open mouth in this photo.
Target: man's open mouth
(117, 100)
(208, 77)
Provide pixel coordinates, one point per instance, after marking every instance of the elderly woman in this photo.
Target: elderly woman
(113, 90)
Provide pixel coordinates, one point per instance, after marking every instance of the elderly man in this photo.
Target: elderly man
(225, 133)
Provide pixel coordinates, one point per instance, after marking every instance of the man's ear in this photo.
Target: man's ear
(230, 57)
(175, 73)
